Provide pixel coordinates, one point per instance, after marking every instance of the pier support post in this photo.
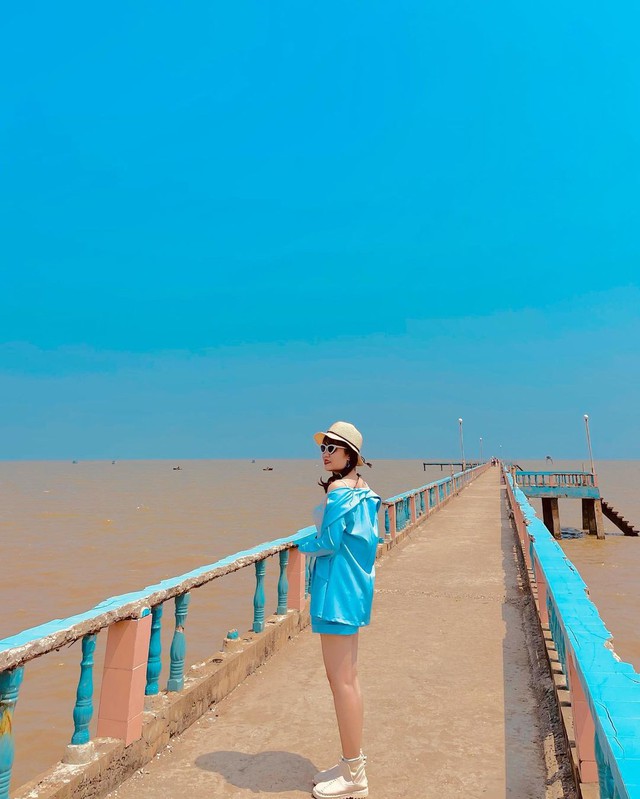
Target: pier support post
(592, 521)
(597, 507)
(297, 579)
(551, 515)
(412, 509)
(124, 679)
(585, 516)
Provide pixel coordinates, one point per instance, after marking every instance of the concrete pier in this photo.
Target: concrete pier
(551, 515)
(451, 706)
(592, 520)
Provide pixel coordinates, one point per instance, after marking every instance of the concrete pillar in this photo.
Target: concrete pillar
(392, 520)
(592, 521)
(597, 507)
(585, 515)
(124, 679)
(413, 511)
(551, 515)
(296, 577)
(542, 593)
(584, 729)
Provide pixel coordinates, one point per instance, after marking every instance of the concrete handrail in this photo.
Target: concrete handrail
(605, 692)
(44, 638)
(52, 635)
(403, 510)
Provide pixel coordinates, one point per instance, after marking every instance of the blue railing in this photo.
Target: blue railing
(403, 510)
(555, 479)
(605, 692)
(19, 649)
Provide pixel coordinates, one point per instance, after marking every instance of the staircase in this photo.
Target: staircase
(618, 519)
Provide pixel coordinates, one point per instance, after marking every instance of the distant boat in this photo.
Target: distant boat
(177, 468)
(253, 461)
(267, 469)
(74, 461)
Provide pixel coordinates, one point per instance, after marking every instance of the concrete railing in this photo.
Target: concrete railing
(555, 479)
(133, 657)
(412, 507)
(604, 693)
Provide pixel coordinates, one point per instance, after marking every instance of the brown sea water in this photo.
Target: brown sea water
(74, 534)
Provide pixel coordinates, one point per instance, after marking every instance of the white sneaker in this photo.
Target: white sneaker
(332, 773)
(351, 783)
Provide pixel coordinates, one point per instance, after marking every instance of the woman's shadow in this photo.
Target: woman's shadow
(268, 772)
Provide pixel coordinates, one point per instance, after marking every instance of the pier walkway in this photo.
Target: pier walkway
(452, 705)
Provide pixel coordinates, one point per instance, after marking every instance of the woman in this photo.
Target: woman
(341, 596)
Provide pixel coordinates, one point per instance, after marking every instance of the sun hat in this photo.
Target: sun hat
(343, 431)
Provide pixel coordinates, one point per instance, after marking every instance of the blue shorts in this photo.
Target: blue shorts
(332, 627)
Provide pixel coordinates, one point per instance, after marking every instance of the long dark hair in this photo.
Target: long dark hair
(352, 461)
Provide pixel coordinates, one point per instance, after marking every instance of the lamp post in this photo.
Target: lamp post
(480, 449)
(593, 468)
(464, 466)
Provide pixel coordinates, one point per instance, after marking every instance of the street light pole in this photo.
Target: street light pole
(464, 465)
(480, 449)
(593, 468)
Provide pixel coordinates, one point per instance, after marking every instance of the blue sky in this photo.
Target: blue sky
(226, 225)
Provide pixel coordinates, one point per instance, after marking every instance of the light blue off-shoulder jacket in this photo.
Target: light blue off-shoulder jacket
(345, 549)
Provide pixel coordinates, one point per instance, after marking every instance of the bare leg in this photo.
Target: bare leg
(340, 654)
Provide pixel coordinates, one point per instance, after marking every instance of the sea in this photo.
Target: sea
(75, 533)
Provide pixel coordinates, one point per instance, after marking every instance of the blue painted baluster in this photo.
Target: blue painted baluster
(83, 709)
(283, 584)
(307, 585)
(9, 688)
(258, 597)
(387, 526)
(154, 661)
(178, 646)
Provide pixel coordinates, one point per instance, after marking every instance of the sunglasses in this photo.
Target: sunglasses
(330, 448)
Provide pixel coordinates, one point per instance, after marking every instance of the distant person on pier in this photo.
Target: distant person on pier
(341, 596)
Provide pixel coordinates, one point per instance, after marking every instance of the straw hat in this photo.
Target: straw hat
(343, 431)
